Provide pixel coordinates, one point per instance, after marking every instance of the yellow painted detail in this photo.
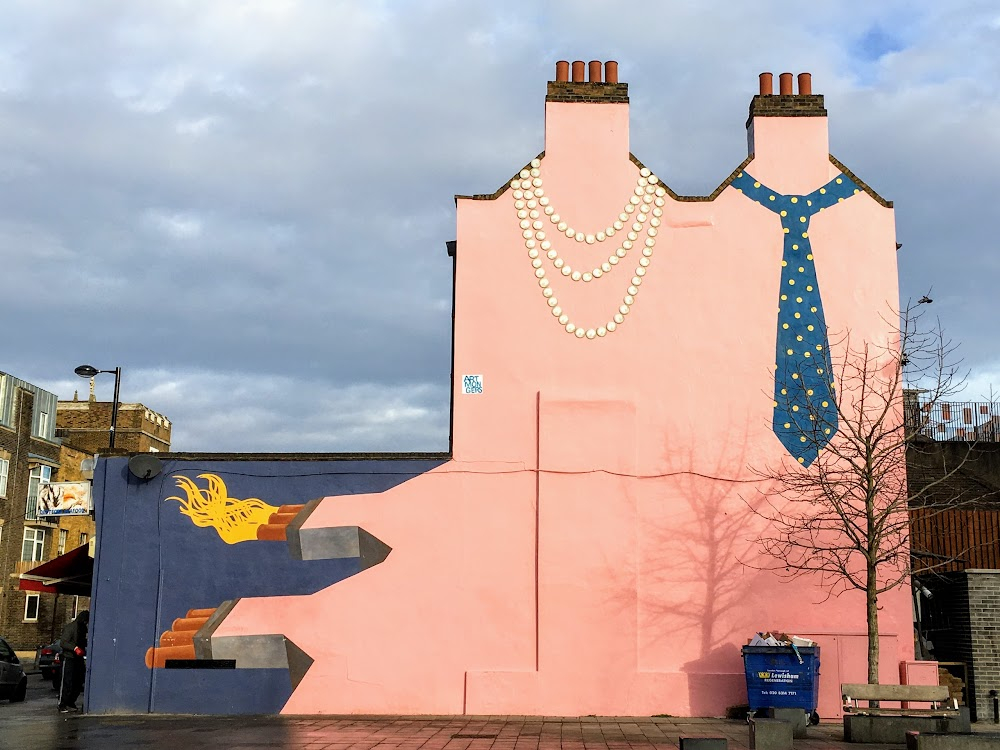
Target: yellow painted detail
(235, 520)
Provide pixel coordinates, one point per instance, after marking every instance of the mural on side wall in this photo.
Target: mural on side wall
(547, 564)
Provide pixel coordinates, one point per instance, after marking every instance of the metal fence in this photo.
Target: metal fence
(972, 421)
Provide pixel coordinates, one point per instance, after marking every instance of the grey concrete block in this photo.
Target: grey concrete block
(704, 743)
(770, 734)
(797, 717)
(886, 730)
(952, 741)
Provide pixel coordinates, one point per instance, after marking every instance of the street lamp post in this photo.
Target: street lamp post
(89, 371)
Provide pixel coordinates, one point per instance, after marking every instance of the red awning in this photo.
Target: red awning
(71, 573)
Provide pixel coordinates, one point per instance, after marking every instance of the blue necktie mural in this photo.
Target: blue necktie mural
(805, 413)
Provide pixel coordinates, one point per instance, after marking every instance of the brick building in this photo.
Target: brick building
(86, 425)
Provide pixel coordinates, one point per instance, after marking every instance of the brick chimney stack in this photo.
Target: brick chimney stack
(591, 83)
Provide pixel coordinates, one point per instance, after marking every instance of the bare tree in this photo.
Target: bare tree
(844, 515)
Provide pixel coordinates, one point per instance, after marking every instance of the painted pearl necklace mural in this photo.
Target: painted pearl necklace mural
(644, 209)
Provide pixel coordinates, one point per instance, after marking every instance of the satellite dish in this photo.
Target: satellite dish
(145, 466)
(88, 464)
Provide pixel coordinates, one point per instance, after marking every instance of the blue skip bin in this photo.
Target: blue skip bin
(782, 677)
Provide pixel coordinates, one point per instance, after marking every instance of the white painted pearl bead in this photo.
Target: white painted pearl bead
(518, 204)
(543, 283)
(620, 316)
(576, 275)
(649, 190)
(518, 195)
(651, 232)
(654, 179)
(633, 290)
(606, 267)
(557, 311)
(528, 192)
(536, 225)
(527, 234)
(525, 174)
(532, 203)
(588, 276)
(634, 200)
(644, 172)
(636, 281)
(536, 163)
(549, 210)
(579, 333)
(515, 184)
(525, 224)
(647, 200)
(539, 235)
(661, 192)
(591, 239)
(580, 237)
(654, 222)
(642, 181)
(529, 244)
(647, 251)
(629, 299)
(559, 263)
(613, 260)
(534, 172)
(602, 332)
(657, 212)
(533, 254)
(543, 201)
(570, 328)
(650, 242)
(643, 262)
(619, 224)
(566, 270)
(539, 192)
(591, 333)
(540, 272)
(642, 214)
(600, 236)
(546, 244)
(640, 272)
(621, 217)
(522, 214)
(552, 254)
(637, 227)
(639, 191)
(598, 273)
(570, 232)
(627, 244)
(534, 215)
(552, 301)
(629, 208)
(537, 182)
(612, 325)
(561, 226)
(621, 252)
(660, 202)
(564, 319)
(536, 263)
(633, 236)
(547, 293)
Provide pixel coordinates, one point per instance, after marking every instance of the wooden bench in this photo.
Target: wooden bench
(936, 695)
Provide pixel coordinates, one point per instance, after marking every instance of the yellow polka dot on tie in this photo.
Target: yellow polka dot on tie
(839, 180)
(784, 325)
(819, 370)
(795, 247)
(809, 257)
(812, 309)
(801, 460)
(739, 174)
(802, 219)
(805, 234)
(784, 296)
(795, 408)
(809, 203)
(785, 230)
(802, 439)
(840, 200)
(739, 190)
(812, 418)
(802, 270)
(789, 352)
(784, 213)
(808, 288)
(795, 376)
(798, 338)
(771, 198)
(808, 354)
(775, 403)
(826, 403)
(819, 347)
(795, 200)
(822, 191)
(798, 315)
(792, 282)
(784, 263)
(856, 191)
(809, 392)
(827, 431)
(784, 391)
(798, 299)
(809, 328)
(787, 425)
(756, 184)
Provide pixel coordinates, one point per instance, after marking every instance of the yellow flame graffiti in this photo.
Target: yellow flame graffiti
(235, 520)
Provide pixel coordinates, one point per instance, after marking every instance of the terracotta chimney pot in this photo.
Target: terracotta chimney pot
(562, 70)
(595, 71)
(766, 84)
(611, 71)
(579, 71)
(805, 83)
(785, 84)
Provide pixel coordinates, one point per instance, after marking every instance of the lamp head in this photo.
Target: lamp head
(86, 371)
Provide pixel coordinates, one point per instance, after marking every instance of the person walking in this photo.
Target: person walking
(74, 648)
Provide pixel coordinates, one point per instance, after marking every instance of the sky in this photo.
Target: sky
(245, 204)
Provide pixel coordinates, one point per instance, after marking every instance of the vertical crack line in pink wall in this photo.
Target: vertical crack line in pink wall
(538, 501)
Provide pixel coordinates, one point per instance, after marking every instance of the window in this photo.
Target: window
(4, 471)
(62, 540)
(38, 475)
(33, 548)
(83, 539)
(31, 608)
(44, 422)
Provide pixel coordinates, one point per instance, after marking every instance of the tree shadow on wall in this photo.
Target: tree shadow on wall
(695, 564)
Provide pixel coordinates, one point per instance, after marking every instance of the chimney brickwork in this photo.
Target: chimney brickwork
(603, 86)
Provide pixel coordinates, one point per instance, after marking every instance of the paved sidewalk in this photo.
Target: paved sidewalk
(81, 732)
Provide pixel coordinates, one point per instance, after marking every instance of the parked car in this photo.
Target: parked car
(13, 681)
(44, 659)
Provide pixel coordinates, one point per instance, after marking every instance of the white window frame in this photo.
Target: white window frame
(38, 544)
(38, 604)
(63, 536)
(83, 538)
(4, 473)
(39, 473)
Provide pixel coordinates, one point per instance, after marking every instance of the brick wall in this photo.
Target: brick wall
(984, 619)
(86, 424)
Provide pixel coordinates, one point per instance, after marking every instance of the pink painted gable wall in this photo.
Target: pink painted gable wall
(583, 551)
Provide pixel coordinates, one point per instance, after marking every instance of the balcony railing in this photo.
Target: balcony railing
(971, 421)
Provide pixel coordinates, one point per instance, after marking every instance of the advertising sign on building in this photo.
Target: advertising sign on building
(64, 499)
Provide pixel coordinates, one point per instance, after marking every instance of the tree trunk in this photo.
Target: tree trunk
(871, 597)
